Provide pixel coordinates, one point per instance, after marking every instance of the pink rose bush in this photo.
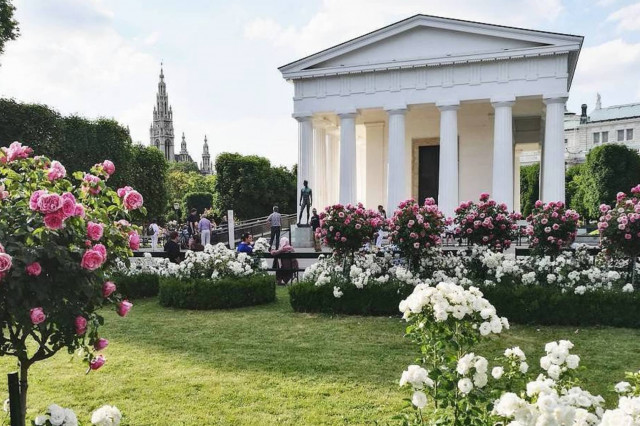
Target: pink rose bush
(552, 227)
(620, 226)
(60, 235)
(416, 229)
(486, 223)
(347, 228)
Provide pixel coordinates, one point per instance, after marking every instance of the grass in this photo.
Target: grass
(268, 365)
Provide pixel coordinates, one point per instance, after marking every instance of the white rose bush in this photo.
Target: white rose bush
(55, 415)
(449, 384)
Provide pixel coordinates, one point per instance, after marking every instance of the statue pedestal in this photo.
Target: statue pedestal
(301, 237)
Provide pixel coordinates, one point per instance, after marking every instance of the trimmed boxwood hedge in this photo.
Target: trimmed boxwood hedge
(378, 299)
(546, 305)
(137, 286)
(203, 293)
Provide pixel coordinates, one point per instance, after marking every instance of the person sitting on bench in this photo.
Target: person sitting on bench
(286, 267)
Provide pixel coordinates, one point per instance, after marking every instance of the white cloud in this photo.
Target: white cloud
(610, 69)
(628, 18)
(339, 20)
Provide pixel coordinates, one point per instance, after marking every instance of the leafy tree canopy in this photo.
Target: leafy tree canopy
(8, 25)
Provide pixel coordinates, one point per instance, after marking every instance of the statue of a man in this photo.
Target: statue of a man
(306, 199)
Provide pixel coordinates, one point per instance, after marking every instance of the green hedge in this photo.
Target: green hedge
(375, 299)
(546, 305)
(137, 286)
(202, 293)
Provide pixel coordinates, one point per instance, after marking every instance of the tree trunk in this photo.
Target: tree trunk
(24, 374)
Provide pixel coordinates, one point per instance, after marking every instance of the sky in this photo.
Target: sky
(101, 58)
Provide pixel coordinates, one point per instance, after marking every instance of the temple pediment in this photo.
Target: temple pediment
(429, 41)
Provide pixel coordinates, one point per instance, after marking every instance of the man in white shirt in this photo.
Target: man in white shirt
(154, 230)
(275, 221)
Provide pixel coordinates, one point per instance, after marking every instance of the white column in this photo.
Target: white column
(333, 164)
(305, 153)
(347, 157)
(516, 181)
(553, 152)
(503, 152)
(319, 166)
(448, 180)
(397, 152)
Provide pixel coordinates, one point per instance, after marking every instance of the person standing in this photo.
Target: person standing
(192, 222)
(275, 222)
(315, 224)
(381, 231)
(204, 226)
(306, 199)
(154, 231)
(172, 247)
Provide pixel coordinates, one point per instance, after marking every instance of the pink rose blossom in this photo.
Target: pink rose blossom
(134, 240)
(124, 307)
(56, 171)
(100, 344)
(132, 200)
(81, 325)
(92, 260)
(92, 183)
(37, 316)
(49, 203)
(79, 210)
(94, 231)
(34, 269)
(54, 220)
(68, 207)
(16, 151)
(627, 236)
(108, 167)
(5, 262)
(97, 362)
(123, 191)
(108, 288)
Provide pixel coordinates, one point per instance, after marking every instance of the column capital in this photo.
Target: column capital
(302, 116)
(347, 113)
(555, 98)
(503, 101)
(396, 109)
(448, 105)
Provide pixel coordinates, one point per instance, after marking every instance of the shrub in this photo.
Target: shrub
(552, 227)
(224, 293)
(139, 285)
(546, 305)
(486, 223)
(198, 200)
(347, 228)
(416, 229)
(374, 299)
(620, 227)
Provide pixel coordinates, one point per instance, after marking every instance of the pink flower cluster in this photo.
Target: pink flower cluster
(552, 227)
(6, 262)
(56, 171)
(347, 228)
(91, 184)
(4, 194)
(620, 226)
(94, 257)
(56, 208)
(131, 199)
(415, 228)
(486, 223)
(15, 152)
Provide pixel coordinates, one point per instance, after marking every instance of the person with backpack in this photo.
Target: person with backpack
(153, 231)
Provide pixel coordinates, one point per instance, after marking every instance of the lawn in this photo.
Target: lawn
(268, 365)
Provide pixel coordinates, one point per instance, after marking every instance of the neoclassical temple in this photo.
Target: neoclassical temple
(432, 107)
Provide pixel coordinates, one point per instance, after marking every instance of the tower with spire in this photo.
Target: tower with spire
(205, 167)
(184, 156)
(161, 131)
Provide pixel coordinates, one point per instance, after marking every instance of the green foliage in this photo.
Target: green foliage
(609, 169)
(529, 187)
(575, 190)
(224, 293)
(547, 305)
(250, 186)
(8, 26)
(184, 167)
(197, 200)
(148, 174)
(375, 299)
(138, 285)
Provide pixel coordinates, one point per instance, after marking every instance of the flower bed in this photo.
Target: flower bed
(223, 293)
(486, 223)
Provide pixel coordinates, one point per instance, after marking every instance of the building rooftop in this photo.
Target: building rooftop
(615, 112)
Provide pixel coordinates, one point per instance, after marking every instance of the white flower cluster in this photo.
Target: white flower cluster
(107, 415)
(517, 357)
(627, 413)
(450, 300)
(261, 245)
(468, 364)
(57, 416)
(419, 379)
(558, 359)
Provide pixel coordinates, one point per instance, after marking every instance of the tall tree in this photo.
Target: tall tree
(8, 25)
(529, 187)
(148, 174)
